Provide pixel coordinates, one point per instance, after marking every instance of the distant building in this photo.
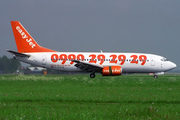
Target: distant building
(35, 70)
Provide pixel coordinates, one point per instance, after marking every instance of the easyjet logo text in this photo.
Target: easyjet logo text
(113, 70)
(24, 36)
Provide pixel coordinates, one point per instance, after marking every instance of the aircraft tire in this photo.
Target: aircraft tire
(92, 75)
(155, 76)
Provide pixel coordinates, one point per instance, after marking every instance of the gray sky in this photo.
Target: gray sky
(148, 26)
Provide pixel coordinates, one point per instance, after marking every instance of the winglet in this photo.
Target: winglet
(25, 43)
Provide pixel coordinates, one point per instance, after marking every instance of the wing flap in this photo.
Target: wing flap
(88, 66)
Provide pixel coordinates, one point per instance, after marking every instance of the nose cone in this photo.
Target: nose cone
(169, 66)
(172, 65)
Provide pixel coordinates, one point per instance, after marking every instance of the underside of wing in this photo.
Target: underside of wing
(84, 66)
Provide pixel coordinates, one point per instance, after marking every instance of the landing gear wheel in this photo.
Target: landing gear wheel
(92, 75)
(155, 76)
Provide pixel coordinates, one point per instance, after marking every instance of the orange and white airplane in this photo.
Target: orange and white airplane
(108, 64)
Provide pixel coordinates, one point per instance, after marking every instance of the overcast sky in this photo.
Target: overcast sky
(148, 26)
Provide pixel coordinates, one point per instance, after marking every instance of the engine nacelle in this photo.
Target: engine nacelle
(111, 70)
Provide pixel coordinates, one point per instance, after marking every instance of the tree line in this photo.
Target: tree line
(8, 65)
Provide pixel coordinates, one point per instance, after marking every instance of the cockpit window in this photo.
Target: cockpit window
(164, 59)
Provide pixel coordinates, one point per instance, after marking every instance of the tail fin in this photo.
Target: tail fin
(25, 43)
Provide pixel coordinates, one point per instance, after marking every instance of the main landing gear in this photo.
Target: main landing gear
(92, 75)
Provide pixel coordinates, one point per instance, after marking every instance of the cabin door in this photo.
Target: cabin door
(44, 59)
(152, 61)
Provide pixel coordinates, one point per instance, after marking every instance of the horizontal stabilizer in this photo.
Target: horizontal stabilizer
(18, 54)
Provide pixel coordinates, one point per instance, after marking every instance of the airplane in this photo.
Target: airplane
(106, 63)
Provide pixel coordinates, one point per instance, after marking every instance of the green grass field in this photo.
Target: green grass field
(80, 97)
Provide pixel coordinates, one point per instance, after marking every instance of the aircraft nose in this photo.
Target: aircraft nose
(173, 65)
(169, 66)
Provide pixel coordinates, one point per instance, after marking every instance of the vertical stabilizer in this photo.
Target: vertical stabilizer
(25, 43)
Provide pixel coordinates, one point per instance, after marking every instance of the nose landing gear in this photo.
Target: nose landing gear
(155, 76)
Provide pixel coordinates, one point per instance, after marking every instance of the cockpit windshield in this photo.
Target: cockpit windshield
(164, 59)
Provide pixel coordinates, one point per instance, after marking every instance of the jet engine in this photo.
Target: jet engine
(111, 70)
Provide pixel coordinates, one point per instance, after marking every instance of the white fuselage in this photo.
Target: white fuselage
(130, 62)
(109, 64)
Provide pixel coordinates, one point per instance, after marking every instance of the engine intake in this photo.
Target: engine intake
(111, 70)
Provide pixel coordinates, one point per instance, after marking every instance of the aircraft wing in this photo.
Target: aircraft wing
(17, 53)
(84, 66)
